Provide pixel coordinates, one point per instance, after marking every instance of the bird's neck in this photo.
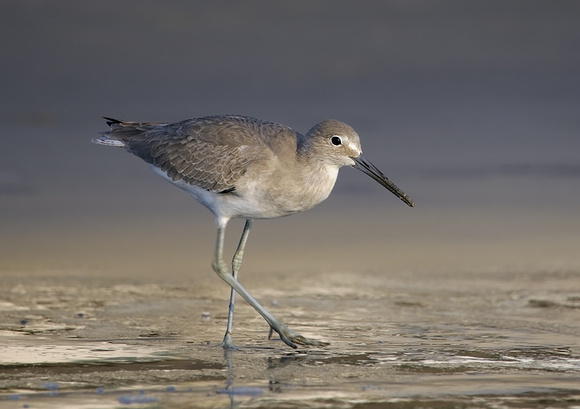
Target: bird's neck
(317, 181)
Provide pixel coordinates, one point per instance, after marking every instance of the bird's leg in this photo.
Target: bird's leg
(236, 265)
(289, 337)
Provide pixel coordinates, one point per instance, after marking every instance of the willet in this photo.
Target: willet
(242, 167)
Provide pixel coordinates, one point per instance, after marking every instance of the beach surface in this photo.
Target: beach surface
(397, 339)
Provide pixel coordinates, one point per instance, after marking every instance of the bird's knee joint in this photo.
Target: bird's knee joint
(219, 267)
(237, 262)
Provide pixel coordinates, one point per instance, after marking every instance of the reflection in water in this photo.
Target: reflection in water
(236, 391)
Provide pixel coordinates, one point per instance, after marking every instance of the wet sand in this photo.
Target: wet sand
(397, 339)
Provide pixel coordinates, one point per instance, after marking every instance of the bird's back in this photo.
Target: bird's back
(210, 152)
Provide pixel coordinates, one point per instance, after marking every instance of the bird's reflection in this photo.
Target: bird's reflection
(274, 385)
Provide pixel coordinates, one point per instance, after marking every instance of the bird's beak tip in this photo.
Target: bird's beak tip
(368, 168)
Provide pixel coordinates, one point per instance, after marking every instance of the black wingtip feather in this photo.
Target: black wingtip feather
(112, 121)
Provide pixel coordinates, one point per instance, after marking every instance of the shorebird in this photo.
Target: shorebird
(242, 167)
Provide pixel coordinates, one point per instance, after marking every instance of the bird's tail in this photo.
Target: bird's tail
(122, 132)
(111, 138)
(106, 141)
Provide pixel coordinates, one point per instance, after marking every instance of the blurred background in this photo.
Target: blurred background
(472, 108)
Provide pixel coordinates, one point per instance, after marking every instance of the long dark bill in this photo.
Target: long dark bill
(368, 168)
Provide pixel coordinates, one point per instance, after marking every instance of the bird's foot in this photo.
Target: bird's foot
(292, 338)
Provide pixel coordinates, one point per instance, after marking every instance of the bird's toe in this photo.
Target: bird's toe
(293, 339)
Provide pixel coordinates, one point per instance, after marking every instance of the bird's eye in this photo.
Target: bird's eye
(336, 140)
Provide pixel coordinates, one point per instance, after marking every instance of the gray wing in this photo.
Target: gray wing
(212, 152)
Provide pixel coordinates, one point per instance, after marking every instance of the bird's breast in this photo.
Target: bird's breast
(266, 193)
(285, 193)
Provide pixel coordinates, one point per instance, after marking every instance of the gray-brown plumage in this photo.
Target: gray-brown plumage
(242, 167)
(212, 152)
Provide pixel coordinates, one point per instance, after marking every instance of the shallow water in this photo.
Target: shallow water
(489, 339)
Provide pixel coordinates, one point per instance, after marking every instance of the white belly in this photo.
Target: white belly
(263, 199)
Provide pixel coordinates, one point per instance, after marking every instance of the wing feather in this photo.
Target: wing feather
(212, 152)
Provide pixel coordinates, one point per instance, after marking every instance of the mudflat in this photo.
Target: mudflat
(397, 339)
